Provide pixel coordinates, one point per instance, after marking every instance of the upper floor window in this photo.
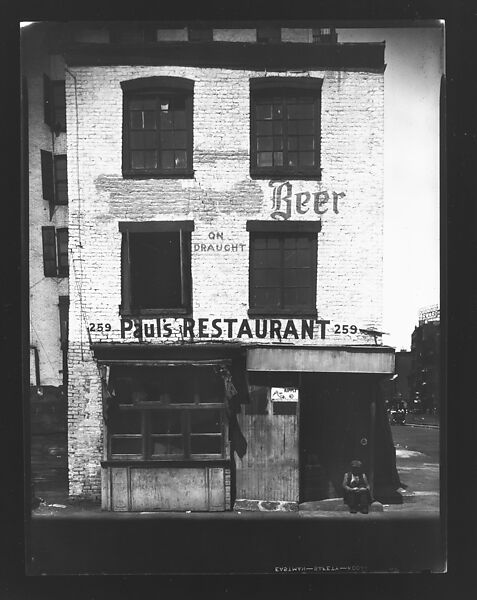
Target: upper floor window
(156, 268)
(157, 127)
(54, 103)
(283, 268)
(285, 128)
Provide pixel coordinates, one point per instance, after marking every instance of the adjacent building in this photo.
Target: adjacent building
(225, 261)
(425, 369)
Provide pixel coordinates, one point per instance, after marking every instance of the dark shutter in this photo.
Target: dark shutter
(125, 273)
(47, 100)
(186, 276)
(62, 239)
(47, 176)
(63, 306)
(49, 251)
(61, 182)
(58, 101)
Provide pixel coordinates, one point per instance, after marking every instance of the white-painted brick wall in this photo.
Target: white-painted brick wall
(220, 198)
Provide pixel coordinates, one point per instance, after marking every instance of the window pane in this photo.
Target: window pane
(167, 159)
(278, 159)
(173, 139)
(307, 159)
(167, 445)
(205, 421)
(277, 111)
(126, 446)
(150, 159)
(202, 444)
(137, 159)
(61, 193)
(180, 159)
(149, 119)
(305, 127)
(210, 385)
(125, 421)
(264, 111)
(179, 119)
(277, 128)
(142, 140)
(277, 143)
(307, 142)
(265, 159)
(264, 144)
(266, 127)
(142, 103)
(293, 143)
(166, 120)
(166, 421)
(136, 119)
(300, 111)
(293, 159)
(267, 298)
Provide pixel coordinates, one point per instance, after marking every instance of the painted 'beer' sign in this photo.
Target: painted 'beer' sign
(284, 201)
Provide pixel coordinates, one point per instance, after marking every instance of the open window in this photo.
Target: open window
(285, 127)
(156, 268)
(283, 268)
(157, 127)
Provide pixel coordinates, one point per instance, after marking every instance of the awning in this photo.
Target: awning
(332, 359)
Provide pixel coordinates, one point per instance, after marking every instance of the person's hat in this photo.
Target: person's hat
(357, 464)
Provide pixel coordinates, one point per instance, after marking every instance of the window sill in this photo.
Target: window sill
(167, 463)
(156, 312)
(185, 174)
(288, 314)
(280, 175)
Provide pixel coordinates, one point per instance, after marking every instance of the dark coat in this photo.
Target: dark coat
(348, 487)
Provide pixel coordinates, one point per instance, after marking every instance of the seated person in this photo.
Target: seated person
(357, 493)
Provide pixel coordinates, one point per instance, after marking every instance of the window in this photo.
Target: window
(285, 127)
(167, 413)
(157, 127)
(54, 103)
(156, 270)
(55, 252)
(283, 265)
(268, 34)
(324, 35)
(54, 178)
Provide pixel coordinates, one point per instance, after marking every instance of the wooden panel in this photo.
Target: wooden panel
(322, 360)
(269, 469)
(119, 489)
(216, 489)
(169, 489)
(105, 489)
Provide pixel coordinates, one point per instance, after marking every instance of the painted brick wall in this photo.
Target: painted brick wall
(220, 198)
(44, 291)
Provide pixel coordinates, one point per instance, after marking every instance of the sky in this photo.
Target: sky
(415, 62)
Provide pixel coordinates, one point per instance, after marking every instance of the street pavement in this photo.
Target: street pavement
(80, 538)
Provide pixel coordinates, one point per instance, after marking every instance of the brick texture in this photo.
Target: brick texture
(220, 198)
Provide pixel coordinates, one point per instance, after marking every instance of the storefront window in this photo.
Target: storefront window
(166, 413)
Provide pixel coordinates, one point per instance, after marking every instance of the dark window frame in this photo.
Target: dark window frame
(157, 88)
(284, 89)
(184, 228)
(280, 231)
(145, 409)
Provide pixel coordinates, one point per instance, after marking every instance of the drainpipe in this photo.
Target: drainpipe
(37, 364)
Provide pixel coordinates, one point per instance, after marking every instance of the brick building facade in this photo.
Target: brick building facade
(225, 276)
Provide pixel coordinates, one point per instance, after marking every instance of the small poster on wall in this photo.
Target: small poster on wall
(280, 394)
